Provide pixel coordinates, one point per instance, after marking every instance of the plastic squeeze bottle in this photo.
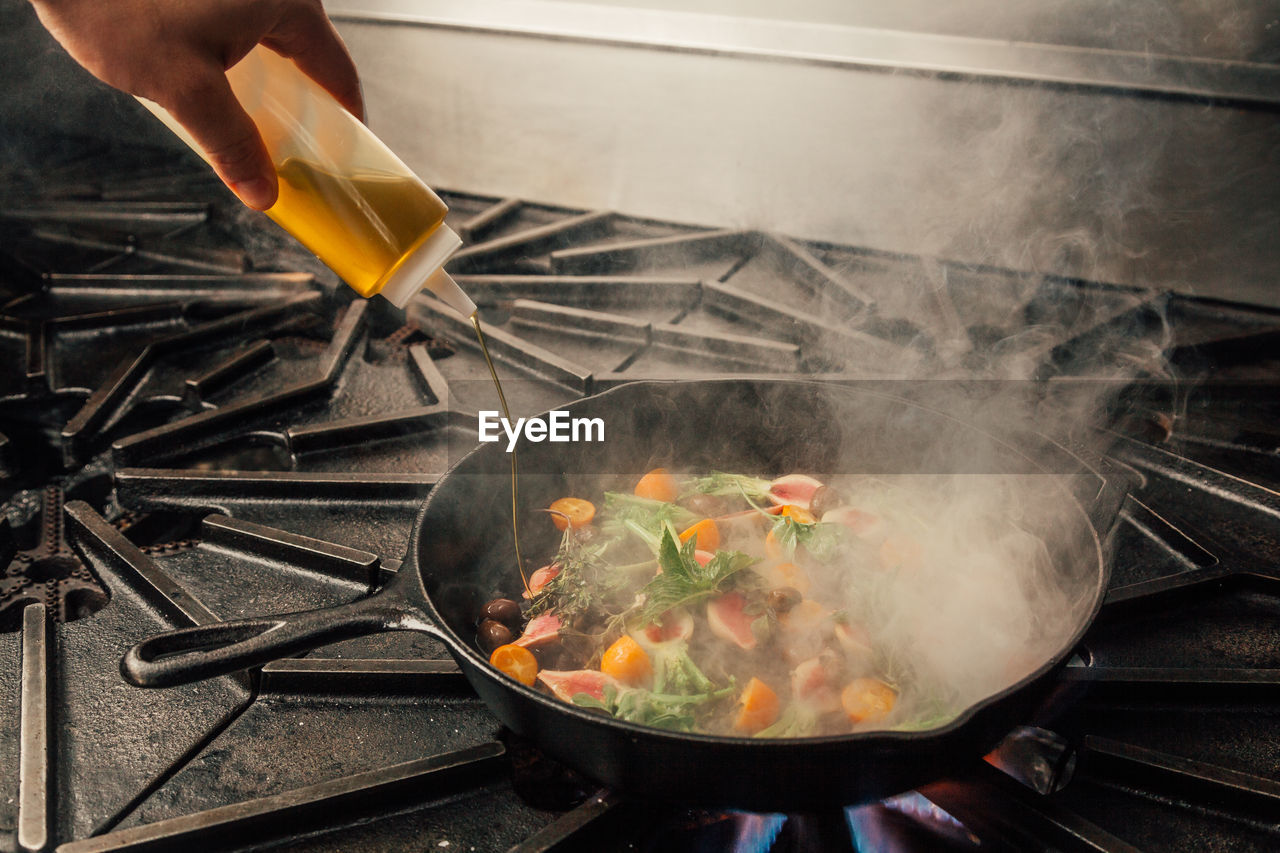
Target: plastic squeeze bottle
(343, 194)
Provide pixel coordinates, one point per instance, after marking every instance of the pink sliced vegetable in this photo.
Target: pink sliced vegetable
(540, 631)
(541, 578)
(569, 683)
(811, 684)
(728, 621)
(793, 489)
(864, 524)
(675, 625)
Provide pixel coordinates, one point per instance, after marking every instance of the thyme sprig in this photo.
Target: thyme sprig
(586, 581)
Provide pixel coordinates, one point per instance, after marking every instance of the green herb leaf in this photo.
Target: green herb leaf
(826, 541)
(675, 672)
(786, 530)
(925, 723)
(720, 483)
(823, 541)
(624, 513)
(586, 700)
(683, 581)
(932, 713)
(664, 710)
(692, 679)
(648, 537)
(797, 720)
(673, 557)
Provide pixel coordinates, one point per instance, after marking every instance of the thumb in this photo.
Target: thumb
(209, 111)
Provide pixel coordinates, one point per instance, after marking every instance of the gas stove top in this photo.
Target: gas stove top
(199, 424)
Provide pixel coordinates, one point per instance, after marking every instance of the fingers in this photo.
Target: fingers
(307, 36)
(211, 114)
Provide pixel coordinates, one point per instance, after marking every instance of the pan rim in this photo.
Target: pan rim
(480, 664)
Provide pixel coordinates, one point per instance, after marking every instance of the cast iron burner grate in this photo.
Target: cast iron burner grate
(199, 425)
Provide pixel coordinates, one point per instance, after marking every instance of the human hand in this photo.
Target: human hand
(176, 53)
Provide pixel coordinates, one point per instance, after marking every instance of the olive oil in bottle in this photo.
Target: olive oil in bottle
(362, 225)
(343, 193)
(346, 197)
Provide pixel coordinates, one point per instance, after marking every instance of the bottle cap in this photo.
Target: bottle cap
(424, 267)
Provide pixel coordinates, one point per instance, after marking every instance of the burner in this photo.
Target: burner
(199, 424)
(48, 575)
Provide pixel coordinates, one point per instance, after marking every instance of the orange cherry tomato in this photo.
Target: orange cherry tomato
(706, 531)
(658, 485)
(866, 700)
(627, 662)
(801, 515)
(572, 512)
(517, 662)
(758, 709)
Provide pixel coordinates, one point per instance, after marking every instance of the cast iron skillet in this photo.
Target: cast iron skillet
(460, 557)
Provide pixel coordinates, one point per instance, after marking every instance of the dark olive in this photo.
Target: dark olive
(824, 500)
(708, 505)
(502, 610)
(493, 634)
(783, 598)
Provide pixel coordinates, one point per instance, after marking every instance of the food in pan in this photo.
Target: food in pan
(729, 604)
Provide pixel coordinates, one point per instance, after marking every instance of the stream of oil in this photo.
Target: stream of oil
(506, 413)
(362, 226)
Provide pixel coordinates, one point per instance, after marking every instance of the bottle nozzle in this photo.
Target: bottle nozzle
(424, 268)
(442, 285)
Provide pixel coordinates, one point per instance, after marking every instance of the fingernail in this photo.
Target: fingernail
(255, 192)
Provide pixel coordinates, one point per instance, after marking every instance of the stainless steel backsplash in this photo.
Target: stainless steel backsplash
(1109, 165)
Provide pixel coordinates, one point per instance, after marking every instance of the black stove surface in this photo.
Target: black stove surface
(199, 424)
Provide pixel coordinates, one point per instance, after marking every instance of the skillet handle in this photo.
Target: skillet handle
(203, 651)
